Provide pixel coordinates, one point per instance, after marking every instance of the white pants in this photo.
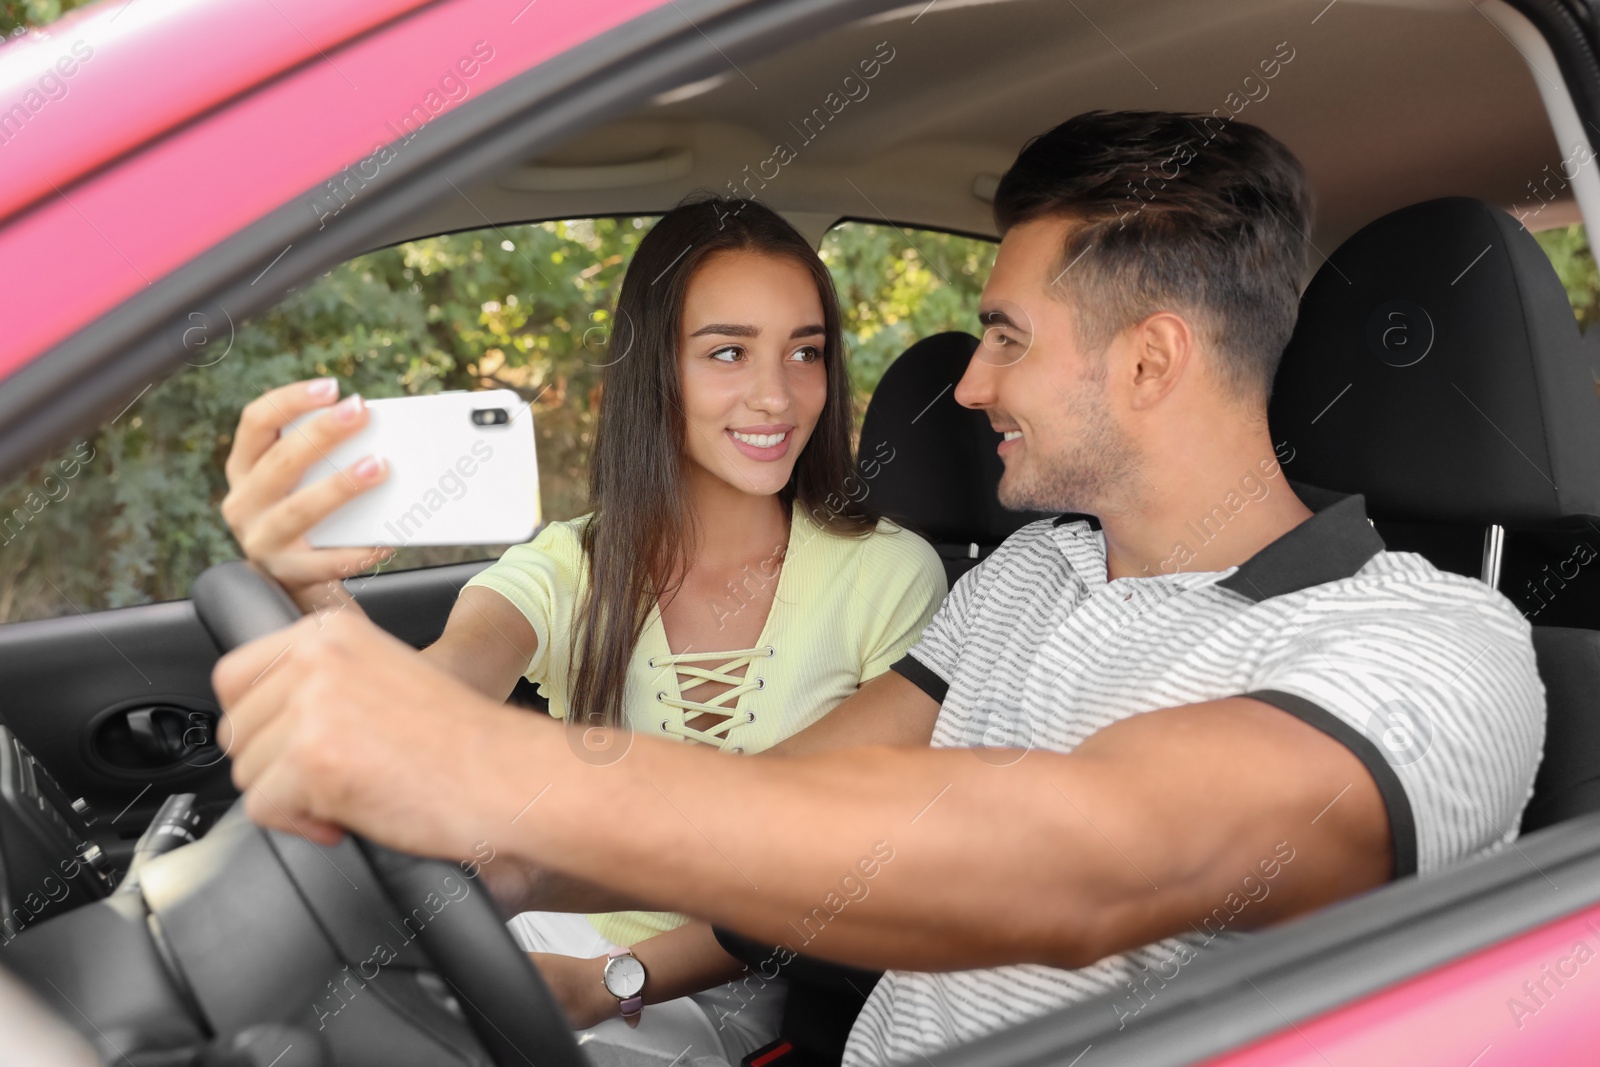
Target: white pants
(714, 1028)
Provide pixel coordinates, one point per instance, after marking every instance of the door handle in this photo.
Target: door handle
(155, 736)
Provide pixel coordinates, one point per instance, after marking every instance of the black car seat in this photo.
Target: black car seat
(943, 468)
(1437, 368)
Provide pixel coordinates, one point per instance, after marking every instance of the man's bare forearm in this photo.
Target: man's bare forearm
(935, 859)
(847, 854)
(884, 856)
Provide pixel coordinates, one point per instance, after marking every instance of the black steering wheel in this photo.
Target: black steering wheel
(502, 994)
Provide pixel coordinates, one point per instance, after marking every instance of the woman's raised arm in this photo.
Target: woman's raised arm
(487, 642)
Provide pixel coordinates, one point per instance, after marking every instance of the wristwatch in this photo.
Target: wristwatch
(624, 979)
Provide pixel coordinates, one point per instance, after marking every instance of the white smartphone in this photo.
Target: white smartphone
(462, 471)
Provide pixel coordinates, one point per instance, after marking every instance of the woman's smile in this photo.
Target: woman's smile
(764, 443)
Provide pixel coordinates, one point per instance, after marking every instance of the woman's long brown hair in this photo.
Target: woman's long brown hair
(639, 542)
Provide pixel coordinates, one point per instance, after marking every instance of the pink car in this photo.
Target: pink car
(169, 169)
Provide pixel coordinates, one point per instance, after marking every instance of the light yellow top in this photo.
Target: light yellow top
(844, 610)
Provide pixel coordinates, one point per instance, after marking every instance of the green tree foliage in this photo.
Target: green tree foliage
(897, 287)
(1570, 254)
(18, 14)
(521, 307)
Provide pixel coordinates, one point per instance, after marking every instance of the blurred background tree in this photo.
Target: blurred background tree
(1573, 259)
(521, 307)
(20, 14)
(897, 287)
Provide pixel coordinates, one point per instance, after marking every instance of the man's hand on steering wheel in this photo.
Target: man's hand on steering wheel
(316, 748)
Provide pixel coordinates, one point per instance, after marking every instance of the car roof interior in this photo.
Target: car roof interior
(1385, 103)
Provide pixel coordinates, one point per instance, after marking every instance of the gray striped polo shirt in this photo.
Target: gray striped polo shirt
(1427, 676)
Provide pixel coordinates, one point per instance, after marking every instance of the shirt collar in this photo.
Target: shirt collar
(1334, 543)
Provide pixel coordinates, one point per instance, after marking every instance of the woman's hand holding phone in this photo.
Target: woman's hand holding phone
(268, 518)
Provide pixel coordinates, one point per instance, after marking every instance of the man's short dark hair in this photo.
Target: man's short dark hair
(1180, 212)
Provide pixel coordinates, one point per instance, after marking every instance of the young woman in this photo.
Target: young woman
(725, 590)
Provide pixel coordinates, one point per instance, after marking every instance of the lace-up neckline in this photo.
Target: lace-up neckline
(688, 672)
(726, 703)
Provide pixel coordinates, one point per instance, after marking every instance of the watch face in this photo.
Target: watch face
(624, 977)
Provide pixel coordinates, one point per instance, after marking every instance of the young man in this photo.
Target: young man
(1225, 703)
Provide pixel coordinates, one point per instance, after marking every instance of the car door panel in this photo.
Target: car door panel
(118, 704)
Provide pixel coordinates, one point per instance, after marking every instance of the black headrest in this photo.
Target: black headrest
(944, 469)
(1436, 367)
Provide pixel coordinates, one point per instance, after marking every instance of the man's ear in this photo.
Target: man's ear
(1161, 352)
